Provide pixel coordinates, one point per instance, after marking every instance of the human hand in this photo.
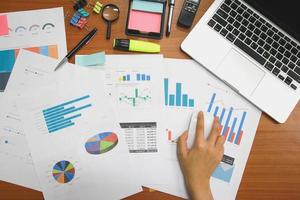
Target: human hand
(199, 162)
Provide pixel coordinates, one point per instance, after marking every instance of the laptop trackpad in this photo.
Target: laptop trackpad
(240, 72)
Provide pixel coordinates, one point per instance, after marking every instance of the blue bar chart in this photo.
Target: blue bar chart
(135, 77)
(63, 115)
(179, 99)
(142, 77)
(231, 125)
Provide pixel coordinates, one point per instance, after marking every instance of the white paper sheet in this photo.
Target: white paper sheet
(42, 31)
(132, 83)
(61, 121)
(187, 87)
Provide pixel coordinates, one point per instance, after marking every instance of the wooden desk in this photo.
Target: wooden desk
(273, 168)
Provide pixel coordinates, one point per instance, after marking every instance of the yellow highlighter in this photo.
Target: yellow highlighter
(136, 45)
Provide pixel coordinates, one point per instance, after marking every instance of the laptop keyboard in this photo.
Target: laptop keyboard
(275, 51)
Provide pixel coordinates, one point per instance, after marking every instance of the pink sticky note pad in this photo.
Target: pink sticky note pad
(144, 21)
(3, 25)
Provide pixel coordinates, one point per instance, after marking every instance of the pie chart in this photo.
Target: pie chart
(101, 143)
(63, 171)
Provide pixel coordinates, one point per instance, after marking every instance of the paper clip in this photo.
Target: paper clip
(74, 20)
(80, 4)
(81, 22)
(97, 8)
(83, 13)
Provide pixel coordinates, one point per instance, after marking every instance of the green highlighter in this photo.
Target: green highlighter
(136, 45)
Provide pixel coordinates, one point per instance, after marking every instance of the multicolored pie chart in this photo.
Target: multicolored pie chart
(101, 143)
(63, 171)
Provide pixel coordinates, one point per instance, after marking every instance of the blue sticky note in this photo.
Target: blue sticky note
(7, 60)
(90, 60)
(147, 6)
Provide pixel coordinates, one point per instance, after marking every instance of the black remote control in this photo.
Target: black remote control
(188, 12)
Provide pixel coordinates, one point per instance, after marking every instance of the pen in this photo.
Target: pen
(83, 42)
(171, 10)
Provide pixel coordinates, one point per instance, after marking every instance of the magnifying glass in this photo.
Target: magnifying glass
(110, 13)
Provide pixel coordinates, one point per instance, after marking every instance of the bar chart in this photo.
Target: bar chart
(231, 123)
(63, 115)
(136, 98)
(135, 77)
(8, 58)
(179, 99)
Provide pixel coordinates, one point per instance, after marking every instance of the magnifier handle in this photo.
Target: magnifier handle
(108, 31)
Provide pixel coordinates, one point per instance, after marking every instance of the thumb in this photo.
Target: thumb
(182, 148)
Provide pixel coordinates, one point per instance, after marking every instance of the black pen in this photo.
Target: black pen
(83, 42)
(171, 10)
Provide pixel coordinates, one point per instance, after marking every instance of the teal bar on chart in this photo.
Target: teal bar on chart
(172, 100)
(178, 94)
(185, 100)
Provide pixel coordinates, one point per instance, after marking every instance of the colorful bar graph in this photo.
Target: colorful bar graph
(62, 116)
(8, 58)
(227, 126)
(138, 77)
(178, 99)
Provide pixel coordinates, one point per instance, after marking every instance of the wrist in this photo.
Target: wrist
(200, 191)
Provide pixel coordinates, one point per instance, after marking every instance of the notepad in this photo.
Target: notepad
(146, 18)
(3, 25)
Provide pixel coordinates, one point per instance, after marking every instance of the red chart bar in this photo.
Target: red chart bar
(169, 135)
(240, 138)
(232, 137)
(226, 133)
(220, 129)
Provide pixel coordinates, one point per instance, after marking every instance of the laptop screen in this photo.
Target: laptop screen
(283, 13)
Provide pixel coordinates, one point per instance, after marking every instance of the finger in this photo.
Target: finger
(220, 141)
(199, 129)
(182, 148)
(214, 133)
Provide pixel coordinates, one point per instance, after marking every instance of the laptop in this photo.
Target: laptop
(253, 46)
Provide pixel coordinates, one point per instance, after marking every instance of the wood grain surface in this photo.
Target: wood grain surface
(273, 168)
